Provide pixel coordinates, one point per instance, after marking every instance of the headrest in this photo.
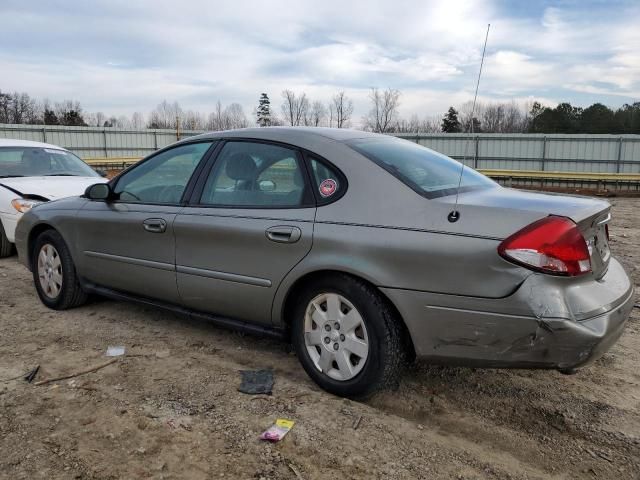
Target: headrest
(31, 155)
(240, 166)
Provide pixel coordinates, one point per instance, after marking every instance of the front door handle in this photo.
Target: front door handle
(155, 225)
(284, 234)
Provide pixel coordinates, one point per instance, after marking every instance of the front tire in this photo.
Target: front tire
(6, 247)
(54, 273)
(347, 337)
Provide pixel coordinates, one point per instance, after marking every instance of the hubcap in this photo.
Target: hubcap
(335, 336)
(50, 271)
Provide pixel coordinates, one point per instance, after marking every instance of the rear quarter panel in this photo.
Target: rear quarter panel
(386, 233)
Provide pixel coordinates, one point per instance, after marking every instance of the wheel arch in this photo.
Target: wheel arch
(284, 312)
(34, 233)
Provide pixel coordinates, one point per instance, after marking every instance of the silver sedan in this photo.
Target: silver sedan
(362, 250)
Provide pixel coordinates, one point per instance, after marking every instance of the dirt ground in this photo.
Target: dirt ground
(170, 408)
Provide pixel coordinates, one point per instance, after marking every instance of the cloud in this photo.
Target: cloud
(122, 56)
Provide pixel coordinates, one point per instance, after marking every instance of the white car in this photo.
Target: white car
(32, 173)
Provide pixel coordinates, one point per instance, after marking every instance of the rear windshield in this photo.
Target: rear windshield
(429, 173)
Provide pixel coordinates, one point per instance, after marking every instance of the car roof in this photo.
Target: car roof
(296, 134)
(10, 142)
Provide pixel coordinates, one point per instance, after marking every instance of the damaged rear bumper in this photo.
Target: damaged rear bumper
(548, 322)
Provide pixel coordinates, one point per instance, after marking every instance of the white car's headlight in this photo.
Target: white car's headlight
(24, 205)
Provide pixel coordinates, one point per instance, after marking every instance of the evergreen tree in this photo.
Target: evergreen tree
(565, 118)
(50, 117)
(73, 118)
(598, 118)
(477, 126)
(628, 118)
(263, 113)
(450, 122)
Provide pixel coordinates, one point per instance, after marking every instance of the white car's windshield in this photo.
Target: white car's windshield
(429, 173)
(34, 162)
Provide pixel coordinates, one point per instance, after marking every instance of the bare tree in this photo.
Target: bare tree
(316, 116)
(340, 110)
(100, 119)
(69, 112)
(492, 117)
(165, 115)
(236, 117)
(464, 116)
(137, 121)
(191, 120)
(384, 110)
(416, 125)
(216, 120)
(89, 119)
(19, 108)
(294, 108)
(276, 121)
(5, 102)
(513, 120)
(495, 117)
(430, 125)
(227, 118)
(122, 122)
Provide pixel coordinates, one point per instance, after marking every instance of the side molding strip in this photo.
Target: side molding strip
(133, 261)
(229, 277)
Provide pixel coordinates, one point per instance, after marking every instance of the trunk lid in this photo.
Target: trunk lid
(500, 212)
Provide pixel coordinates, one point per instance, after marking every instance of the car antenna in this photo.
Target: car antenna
(454, 215)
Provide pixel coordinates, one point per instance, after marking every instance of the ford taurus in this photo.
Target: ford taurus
(363, 250)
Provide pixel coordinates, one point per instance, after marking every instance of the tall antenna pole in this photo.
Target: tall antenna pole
(454, 216)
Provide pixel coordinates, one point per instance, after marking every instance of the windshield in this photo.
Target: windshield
(429, 173)
(34, 162)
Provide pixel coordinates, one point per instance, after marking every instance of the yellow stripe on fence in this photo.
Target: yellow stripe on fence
(108, 160)
(548, 175)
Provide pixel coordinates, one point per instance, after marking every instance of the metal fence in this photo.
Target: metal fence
(534, 152)
(557, 153)
(97, 142)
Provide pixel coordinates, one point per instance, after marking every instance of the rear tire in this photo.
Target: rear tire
(54, 273)
(6, 247)
(353, 353)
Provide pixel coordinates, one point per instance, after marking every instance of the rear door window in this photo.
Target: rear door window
(256, 175)
(329, 184)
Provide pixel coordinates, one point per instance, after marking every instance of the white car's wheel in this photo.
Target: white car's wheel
(6, 247)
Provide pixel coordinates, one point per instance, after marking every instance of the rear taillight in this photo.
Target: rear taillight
(552, 245)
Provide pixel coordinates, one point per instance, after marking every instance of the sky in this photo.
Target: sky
(122, 56)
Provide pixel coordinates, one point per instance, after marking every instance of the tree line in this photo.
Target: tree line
(536, 118)
(297, 109)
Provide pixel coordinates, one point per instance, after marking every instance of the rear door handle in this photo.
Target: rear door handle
(284, 234)
(155, 225)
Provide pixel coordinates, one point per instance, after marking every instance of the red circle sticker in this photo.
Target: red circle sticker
(328, 187)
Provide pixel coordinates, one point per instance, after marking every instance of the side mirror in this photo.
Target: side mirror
(99, 191)
(101, 172)
(267, 186)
